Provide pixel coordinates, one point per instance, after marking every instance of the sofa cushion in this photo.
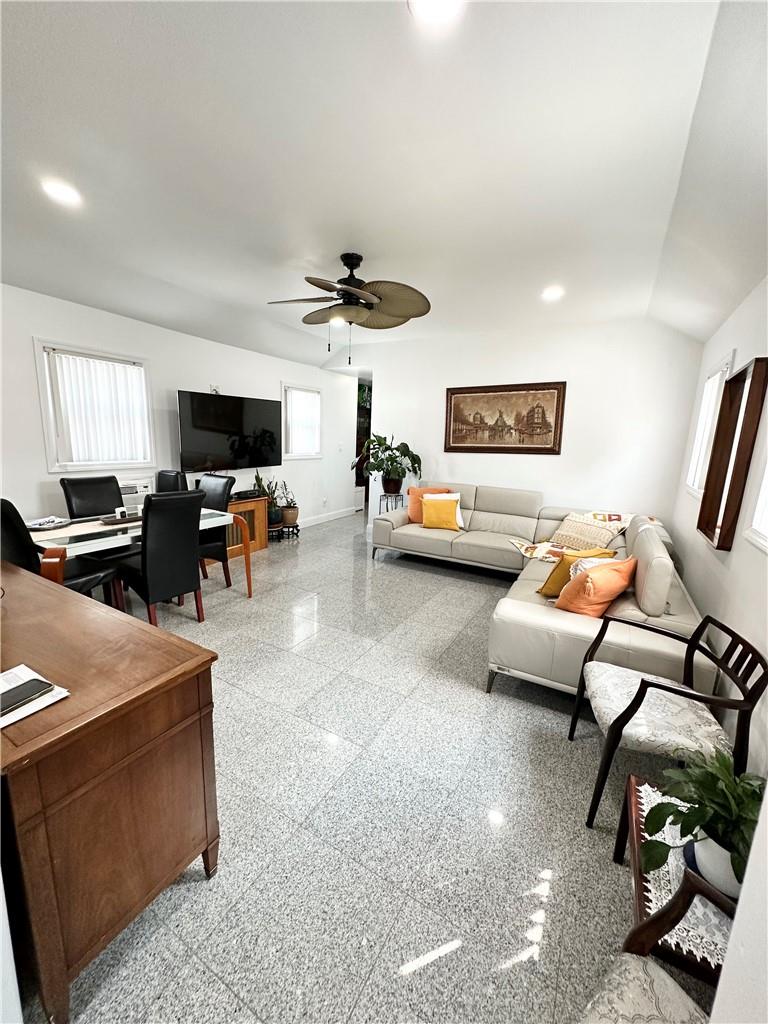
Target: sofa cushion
(590, 593)
(504, 510)
(415, 495)
(441, 515)
(580, 530)
(549, 519)
(467, 492)
(414, 537)
(488, 548)
(561, 573)
(654, 571)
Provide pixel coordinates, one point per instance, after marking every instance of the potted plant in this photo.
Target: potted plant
(288, 506)
(268, 489)
(392, 460)
(718, 812)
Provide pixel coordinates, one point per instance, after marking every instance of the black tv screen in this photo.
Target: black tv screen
(226, 432)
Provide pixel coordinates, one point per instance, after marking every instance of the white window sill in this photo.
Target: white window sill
(101, 467)
(758, 539)
(296, 458)
(693, 492)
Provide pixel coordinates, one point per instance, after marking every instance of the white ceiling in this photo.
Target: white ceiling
(226, 150)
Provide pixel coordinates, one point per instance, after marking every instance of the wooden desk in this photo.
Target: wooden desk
(111, 791)
(254, 512)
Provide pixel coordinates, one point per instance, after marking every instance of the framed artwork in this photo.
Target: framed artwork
(515, 419)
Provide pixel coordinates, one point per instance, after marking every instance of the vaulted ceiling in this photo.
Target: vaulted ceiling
(225, 150)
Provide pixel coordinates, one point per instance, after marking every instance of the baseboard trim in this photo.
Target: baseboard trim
(326, 517)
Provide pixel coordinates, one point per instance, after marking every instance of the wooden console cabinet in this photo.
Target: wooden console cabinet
(109, 794)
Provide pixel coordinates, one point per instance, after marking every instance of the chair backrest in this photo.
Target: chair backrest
(739, 661)
(16, 544)
(91, 495)
(169, 557)
(217, 490)
(171, 480)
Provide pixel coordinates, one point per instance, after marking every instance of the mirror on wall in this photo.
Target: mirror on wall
(738, 419)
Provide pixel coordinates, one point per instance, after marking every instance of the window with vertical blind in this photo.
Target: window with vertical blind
(705, 427)
(302, 418)
(96, 411)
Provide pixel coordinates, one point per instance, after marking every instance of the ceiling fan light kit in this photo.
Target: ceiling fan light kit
(377, 305)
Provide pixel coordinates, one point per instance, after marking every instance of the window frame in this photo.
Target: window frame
(291, 456)
(753, 533)
(723, 368)
(49, 411)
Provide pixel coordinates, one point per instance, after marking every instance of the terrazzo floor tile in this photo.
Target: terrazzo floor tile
(197, 995)
(431, 741)
(434, 972)
(299, 944)
(388, 666)
(351, 708)
(382, 816)
(334, 647)
(280, 677)
(294, 765)
(420, 638)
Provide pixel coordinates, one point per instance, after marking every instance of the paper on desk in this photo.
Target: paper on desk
(12, 677)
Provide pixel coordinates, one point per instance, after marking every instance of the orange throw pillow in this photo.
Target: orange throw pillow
(590, 593)
(415, 494)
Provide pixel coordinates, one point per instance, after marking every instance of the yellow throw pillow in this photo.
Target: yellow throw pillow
(440, 515)
(561, 573)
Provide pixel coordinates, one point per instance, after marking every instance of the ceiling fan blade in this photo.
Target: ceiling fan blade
(283, 302)
(334, 286)
(321, 282)
(365, 296)
(380, 321)
(398, 300)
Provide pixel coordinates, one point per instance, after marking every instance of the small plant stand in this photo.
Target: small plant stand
(389, 502)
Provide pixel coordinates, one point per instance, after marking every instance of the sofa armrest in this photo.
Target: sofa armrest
(385, 523)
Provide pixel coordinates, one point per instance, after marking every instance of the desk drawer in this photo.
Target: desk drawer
(89, 757)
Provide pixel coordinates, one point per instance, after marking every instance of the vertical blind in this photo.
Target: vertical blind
(302, 421)
(101, 409)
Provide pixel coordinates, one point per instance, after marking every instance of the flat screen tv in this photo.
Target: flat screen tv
(226, 432)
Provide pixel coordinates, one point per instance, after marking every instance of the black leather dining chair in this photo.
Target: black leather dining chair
(167, 566)
(213, 542)
(170, 480)
(18, 547)
(89, 496)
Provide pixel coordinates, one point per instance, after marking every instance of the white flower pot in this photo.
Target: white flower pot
(714, 863)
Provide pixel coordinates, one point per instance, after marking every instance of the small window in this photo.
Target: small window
(705, 427)
(95, 410)
(758, 532)
(302, 413)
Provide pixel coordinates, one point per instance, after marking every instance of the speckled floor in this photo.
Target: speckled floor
(396, 846)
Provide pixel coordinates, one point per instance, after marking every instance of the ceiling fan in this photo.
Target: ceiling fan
(374, 304)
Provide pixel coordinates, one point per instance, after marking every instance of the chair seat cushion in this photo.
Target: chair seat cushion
(637, 990)
(665, 723)
(84, 576)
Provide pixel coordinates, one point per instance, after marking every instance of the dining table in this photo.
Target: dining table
(106, 533)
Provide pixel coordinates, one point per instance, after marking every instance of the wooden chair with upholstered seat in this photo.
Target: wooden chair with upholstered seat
(660, 716)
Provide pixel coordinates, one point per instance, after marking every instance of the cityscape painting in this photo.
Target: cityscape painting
(510, 418)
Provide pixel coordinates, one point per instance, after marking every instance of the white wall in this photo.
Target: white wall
(630, 388)
(742, 993)
(323, 487)
(732, 585)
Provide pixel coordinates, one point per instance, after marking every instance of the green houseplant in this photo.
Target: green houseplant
(718, 811)
(268, 489)
(288, 506)
(392, 460)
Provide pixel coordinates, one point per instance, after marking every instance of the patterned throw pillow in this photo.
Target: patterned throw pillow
(585, 564)
(545, 550)
(582, 530)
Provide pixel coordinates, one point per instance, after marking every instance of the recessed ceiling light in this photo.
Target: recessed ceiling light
(61, 192)
(553, 293)
(436, 12)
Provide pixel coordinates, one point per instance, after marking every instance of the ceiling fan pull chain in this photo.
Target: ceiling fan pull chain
(349, 357)
(329, 335)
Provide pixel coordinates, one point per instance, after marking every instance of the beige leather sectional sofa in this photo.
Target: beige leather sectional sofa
(529, 637)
